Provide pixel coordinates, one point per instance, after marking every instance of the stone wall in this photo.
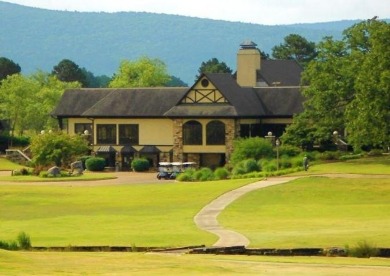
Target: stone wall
(231, 132)
(177, 140)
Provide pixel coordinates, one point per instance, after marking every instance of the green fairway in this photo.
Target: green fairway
(143, 215)
(106, 263)
(314, 212)
(368, 165)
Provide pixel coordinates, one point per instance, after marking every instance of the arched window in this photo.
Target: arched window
(192, 133)
(215, 133)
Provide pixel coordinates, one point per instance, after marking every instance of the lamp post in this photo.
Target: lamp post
(277, 144)
(336, 138)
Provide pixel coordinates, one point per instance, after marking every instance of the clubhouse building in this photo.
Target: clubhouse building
(197, 123)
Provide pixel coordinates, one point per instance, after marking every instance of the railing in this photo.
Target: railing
(16, 153)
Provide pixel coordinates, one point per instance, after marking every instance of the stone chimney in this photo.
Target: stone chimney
(248, 63)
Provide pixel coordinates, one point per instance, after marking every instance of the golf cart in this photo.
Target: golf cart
(164, 170)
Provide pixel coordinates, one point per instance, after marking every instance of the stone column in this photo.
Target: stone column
(231, 131)
(177, 140)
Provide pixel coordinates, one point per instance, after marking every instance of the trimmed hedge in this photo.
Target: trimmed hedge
(95, 164)
(140, 164)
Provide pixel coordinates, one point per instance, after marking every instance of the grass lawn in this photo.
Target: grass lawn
(314, 212)
(368, 165)
(6, 165)
(106, 263)
(88, 176)
(158, 214)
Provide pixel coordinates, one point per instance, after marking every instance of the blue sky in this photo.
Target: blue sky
(269, 12)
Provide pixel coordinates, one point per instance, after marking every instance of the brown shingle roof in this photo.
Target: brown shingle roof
(165, 102)
(281, 101)
(280, 72)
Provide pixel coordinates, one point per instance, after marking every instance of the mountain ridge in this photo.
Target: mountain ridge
(38, 38)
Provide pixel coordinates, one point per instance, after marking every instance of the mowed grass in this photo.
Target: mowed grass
(107, 263)
(87, 176)
(314, 212)
(368, 165)
(158, 214)
(6, 165)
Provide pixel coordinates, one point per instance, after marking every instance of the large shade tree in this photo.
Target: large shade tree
(26, 101)
(144, 72)
(347, 88)
(213, 66)
(68, 71)
(297, 48)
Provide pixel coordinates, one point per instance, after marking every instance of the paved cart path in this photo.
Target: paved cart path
(206, 219)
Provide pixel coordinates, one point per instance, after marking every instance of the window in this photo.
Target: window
(80, 128)
(128, 135)
(192, 133)
(106, 134)
(215, 133)
(251, 130)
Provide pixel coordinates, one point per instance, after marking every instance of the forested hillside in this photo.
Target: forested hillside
(39, 39)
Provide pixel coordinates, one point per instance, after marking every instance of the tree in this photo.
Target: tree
(26, 102)
(347, 89)
(68, 71)
(368, 114)
(144, 72)
(8, 67)
(255, 148)
(45, 100)
(176, 82)
(93, 81)
(57, 148)
(213, 66)
(297, 48)
(16, 97)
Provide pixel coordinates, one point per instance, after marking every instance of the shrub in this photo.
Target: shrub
(285, 162)
(95, 164)
(140, 164)
(83, 159)
(239, 168)
(329, 155)
(269, 165)
(249, 148)
(11, 245)
(289, 150)
(221, 173)
(363, 250)
(250, 165)
(187, 175)
(44, 174)
(24, 241)
(206, 174)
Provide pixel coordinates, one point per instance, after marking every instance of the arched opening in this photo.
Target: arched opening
(192, 133)
(215, 133)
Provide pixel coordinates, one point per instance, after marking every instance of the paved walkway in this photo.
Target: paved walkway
(206, 219)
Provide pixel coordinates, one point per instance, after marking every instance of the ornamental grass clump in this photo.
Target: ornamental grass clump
(24, 241)
(363, 250)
